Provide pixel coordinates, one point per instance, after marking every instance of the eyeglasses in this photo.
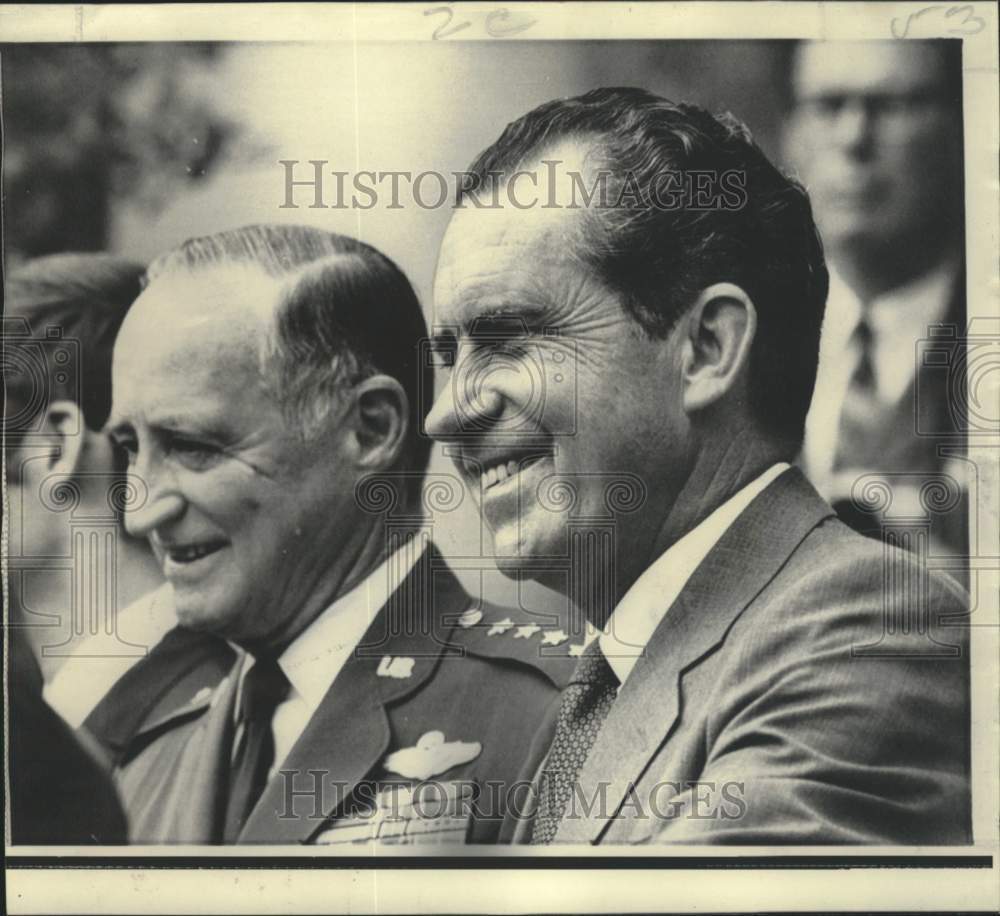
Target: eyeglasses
(886, 110)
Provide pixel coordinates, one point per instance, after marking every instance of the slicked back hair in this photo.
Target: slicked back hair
(659, 258)
(346, 312)
(83, 296)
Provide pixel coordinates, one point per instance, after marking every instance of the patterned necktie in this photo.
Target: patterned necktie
(585, 704)
(264, 688)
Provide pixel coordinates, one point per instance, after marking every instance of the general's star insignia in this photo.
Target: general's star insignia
(553, 637)
(501, 626)
(395, 666)
(576, 651)
(529, 629)
(431, 756)
(470, 618)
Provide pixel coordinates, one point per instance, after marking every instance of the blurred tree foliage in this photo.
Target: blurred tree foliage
(84, 125)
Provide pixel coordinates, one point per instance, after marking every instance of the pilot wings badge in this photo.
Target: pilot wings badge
(431, 756)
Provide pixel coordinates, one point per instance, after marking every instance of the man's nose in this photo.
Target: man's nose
(464, 406)
(854, 128)
(156, 501)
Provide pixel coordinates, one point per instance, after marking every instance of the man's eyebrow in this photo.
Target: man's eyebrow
(532, 315)
(443, 337)
(207, 425)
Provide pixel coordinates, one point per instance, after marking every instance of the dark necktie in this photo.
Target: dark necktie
(859, 443)
(585, 704)
(264, 688)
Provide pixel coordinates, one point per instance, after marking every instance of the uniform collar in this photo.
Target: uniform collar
(313, 659)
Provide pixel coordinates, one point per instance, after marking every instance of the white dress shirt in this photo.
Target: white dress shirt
(314, 659)
(899, 319)
(646, 603)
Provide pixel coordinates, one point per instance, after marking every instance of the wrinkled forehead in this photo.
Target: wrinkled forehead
(527, 234)
(871, 66)
(491, 258)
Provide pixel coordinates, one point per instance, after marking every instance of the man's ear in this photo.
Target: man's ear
(720, 329)
(64, 422)
(382, 421)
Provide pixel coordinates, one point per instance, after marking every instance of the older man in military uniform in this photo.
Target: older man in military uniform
(261, 399)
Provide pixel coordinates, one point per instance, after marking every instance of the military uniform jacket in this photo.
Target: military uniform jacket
(421, 738)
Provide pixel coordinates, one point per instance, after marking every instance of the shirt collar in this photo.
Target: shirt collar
(646, 603)
(897, 311)
(899, 318)
(314, 658)
(912, 307)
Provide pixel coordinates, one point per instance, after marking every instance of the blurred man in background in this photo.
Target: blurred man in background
(71, 564)
(876, 133)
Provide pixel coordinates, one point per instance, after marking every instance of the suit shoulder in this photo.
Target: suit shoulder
(177, 677)
(510, 636)
(833, 559)
(842, 594)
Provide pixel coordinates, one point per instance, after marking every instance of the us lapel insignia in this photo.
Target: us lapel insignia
(576, 651)
(470, 618)
(431, 756)
(395, 666)
(529, 629)
(553, 637)
(501, 626)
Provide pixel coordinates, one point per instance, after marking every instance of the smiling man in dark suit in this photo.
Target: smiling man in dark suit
(265, 389)
(748, 679)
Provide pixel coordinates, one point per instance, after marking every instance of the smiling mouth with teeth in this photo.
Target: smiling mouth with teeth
(192, 553)
(501, 471)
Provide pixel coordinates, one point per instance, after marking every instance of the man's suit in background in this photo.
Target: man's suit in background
(61, 793)
(85, 677)
(441, 698)
(772, 707)
(906, 425)
(182, 665)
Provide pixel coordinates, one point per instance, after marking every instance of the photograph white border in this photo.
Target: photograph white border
(125, 889)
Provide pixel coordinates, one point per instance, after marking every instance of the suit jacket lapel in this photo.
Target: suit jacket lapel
(349, 733)
(186, 806)
(745, 559)
(342, 742)
(934, 409)
(201, 813)
(178, 668)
